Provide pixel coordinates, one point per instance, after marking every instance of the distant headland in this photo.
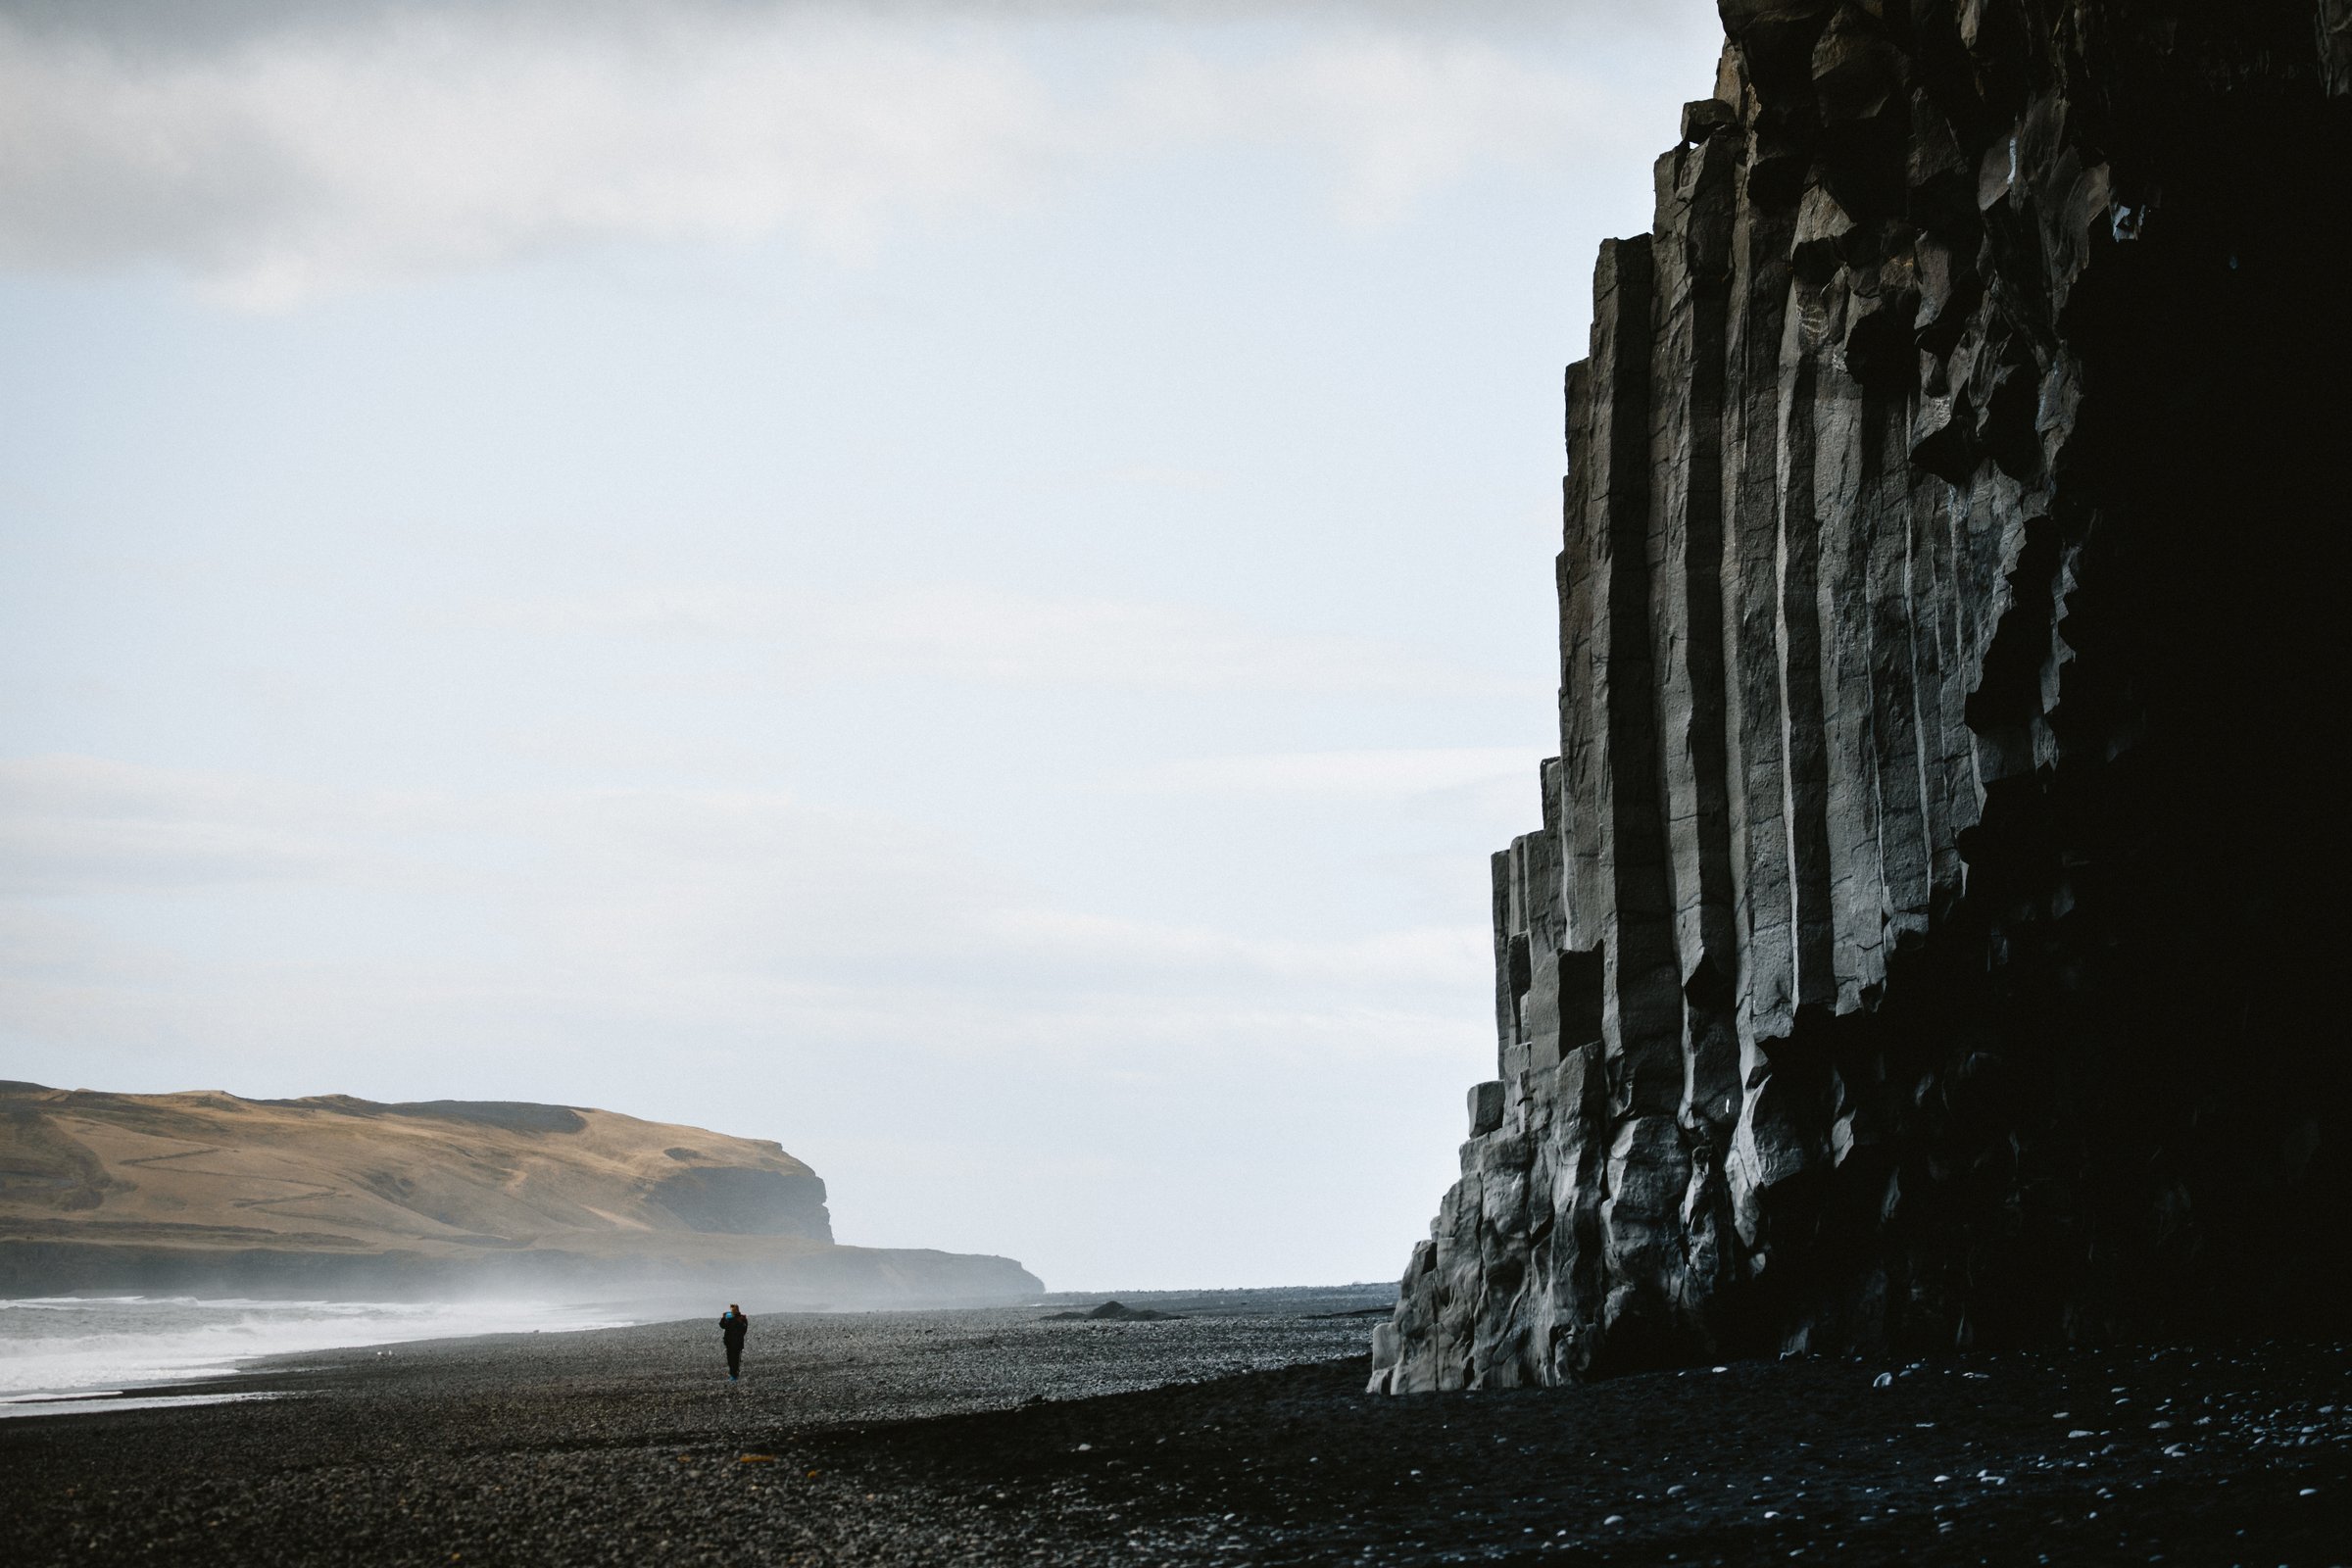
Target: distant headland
(207, 1193)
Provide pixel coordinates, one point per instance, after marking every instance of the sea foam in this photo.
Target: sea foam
(62, 1344)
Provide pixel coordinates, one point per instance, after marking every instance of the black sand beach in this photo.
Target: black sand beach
(996, 1438)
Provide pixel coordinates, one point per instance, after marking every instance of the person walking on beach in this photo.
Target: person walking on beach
(732, 1326)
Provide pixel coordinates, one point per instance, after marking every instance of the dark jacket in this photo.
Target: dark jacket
(732, 1326)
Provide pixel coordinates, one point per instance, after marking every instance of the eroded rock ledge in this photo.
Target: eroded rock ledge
(1932, 935)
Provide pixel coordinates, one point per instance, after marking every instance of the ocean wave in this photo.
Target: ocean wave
(58, 1345)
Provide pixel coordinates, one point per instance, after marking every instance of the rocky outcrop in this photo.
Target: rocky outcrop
(209, 1193)
(1930, 936)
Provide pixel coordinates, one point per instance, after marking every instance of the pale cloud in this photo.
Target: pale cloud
(983, 635)
(290, 164)
(72, 825)
(302, 152)
(1380, 774)
(1391, 116)
(534, 917)
(1439, 956)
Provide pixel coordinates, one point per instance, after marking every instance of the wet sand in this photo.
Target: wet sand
(994, 1438)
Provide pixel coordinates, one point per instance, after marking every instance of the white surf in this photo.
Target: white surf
(101, 1345)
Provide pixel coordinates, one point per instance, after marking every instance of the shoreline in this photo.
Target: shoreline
(63, 1352)
(602, 1313)
(999, 1437)
(31, 1406)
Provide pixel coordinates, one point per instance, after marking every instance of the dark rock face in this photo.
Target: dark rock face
(515, 1116)
(1932, 936)
(747, 1202)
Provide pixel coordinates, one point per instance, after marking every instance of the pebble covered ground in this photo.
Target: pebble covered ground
(990, 1438)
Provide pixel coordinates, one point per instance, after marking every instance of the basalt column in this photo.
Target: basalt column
(1931, 937)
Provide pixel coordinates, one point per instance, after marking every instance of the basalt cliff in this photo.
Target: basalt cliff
(331, 1195)
(1934, 933)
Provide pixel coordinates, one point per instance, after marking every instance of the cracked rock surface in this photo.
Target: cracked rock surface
(1932, 934)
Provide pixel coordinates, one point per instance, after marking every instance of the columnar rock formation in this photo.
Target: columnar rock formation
(1931, 932)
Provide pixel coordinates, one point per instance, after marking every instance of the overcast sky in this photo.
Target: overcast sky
(967, 588)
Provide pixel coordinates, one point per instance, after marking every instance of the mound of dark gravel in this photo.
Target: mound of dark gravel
(1112, 1312)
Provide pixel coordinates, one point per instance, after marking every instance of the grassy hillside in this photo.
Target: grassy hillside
(206, 1189)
